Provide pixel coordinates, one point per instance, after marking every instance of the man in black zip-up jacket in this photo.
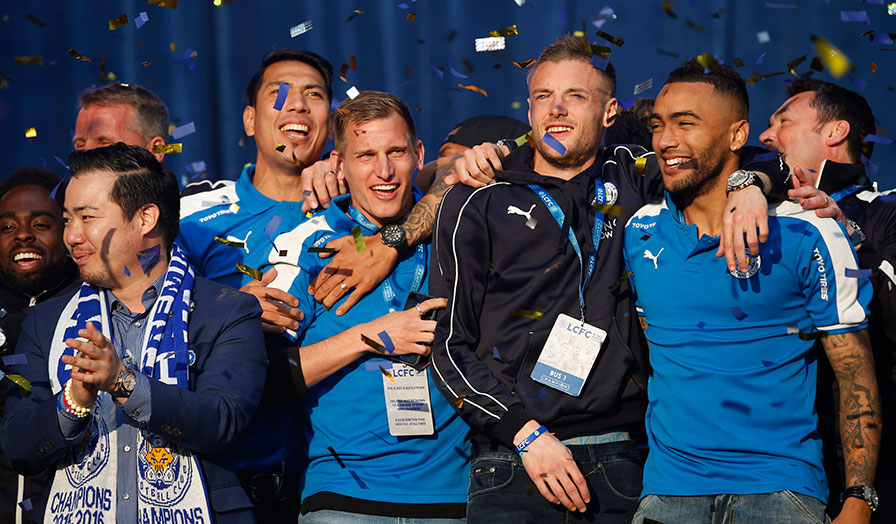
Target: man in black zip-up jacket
(509, 269)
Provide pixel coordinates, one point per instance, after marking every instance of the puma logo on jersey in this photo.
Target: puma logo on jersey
(245, 241)
(530, 222)
(651, 256)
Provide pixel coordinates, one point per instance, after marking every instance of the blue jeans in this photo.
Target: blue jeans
(501, 491)
(329, 516)
(771, 508)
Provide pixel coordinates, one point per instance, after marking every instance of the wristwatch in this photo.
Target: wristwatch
(866, 493)
(857, 236)
(741, 179)
(508, 143)
(127, 381)
(393, 235)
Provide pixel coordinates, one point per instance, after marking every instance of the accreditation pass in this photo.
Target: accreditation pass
(407, 401)
(568, 355)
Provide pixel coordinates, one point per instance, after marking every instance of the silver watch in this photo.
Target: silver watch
(127, 381)
(741, 179)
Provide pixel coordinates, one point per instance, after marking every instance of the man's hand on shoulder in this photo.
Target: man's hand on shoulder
(352, 269)
(279, 308)
(320, 185)
(810, 197)
(745, 214)
(551, 467)
(476, 167)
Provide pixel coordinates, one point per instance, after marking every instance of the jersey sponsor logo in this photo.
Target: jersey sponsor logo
(652, 257)
(754, 263)
(214, 215)
(640, 225)
(530, 222)
(822, 273)
(611, 191)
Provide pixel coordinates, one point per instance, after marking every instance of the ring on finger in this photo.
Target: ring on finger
(419, 310)
(343, 286)
(330, 172)
(825, 201)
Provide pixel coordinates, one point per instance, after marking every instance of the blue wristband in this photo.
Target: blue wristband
(60, 403)
(521, 447)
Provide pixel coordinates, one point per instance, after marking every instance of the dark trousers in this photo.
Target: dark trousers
(275, 498)
(501, 491)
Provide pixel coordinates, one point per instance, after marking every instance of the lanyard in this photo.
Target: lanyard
(845, 192)
(596, 233)
(420, 256)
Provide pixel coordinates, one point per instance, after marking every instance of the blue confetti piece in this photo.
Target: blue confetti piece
(738, 313)
(53, 192)
(701, 324)
(495, 354)
(857, 82)
(16, 359)
(761, 58)
(851, 273)
(438, 72)
(454, 71)
(271, 228)
(187, 129)
(627, 103)
(600, 62)
(879, 139)
(870, 166)
(148, 258)
(282, 93)
(141, 19)
(387, 342)
(403, 6)
(854, 16)
(25, 505)
(372, 366)
(882, 38)
(541, 393)
(194, 168)
(127, 272)
(3, 312)
(360, 482)
(768, 363)
(554, 143)
(61, 162)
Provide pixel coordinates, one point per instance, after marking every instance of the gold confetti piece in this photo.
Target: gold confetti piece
(173, 46)
(708, 61)
(610, 38)
(308, 214)
(756, 77)
(641, 165)
(353, 15)
(379, 348)
(601, 50)
(411, 16)
(738, 62)
(578, 34)
(144, 64)
(359, 239)
(249, 271)
(321, 250)
(795, 62)
(817, 65)
(555, 266)
(20, 381)
(523, 139)
(30, 60)
(234, 207)
(282, 252)
(535, 315)
(608, 209)
(168, 148)
(230, 243)
(667, 7)
(835, 60)
(615, 285)
(121, 21)
(474, 88)
(342, 71)
(459, 402)
(353, 62)
(873, 67)
(280, 147)
(78, 55)
(504, 31)
(387, 374)
(31, 133)
(515, 105)
(38, 22)
(525, 63)
(172, 4)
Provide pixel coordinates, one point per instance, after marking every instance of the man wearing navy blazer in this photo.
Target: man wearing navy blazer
(139, 378)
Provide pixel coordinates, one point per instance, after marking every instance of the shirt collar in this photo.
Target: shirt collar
(149, 296)
(343, 201)
(250, 198)
(834, 176)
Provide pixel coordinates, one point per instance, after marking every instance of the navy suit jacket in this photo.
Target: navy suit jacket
(226, 383)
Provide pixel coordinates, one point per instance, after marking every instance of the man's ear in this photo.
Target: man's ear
(740, 132)
(335, 161)
(610, 112)
(835, 133)
(149, 218)
(151, 146)
(249, 121)
(419, 150)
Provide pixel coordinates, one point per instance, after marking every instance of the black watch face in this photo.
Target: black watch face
(392, 235)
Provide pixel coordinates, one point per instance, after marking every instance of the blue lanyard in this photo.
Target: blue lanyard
(845, 192)
(596, 233)
(420, 257)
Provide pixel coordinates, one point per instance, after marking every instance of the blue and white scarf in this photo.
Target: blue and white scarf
(169, 480)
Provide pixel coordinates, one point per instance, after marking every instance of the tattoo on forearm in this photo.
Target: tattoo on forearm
(419, 222)
(860, 419)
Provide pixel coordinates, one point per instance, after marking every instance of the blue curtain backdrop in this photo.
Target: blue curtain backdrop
(397, 54)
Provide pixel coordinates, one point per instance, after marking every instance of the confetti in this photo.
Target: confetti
(359, 239)
(352, 92)
(738, 312)
(148, 258)
(35, 20)
(173, 46)
(695, 26)
(643, 86)
(601, 18)
(308, 214)
(386, 373)
(115, 23)
(816, 65)
(234, 207)
(615, 285)
(29, 60)
(342, 71)
(336, 456)
(187, 129)
(495, 354)
(535, 315)
(353, 62)
(230, 243)
(555, 144)
(280, 147)
(168, 148)
(141, 19)
(879, 139)
(525, 63)
(792, 329)
(608, 209)
(795, 62)
(16, 359)
(708, 61)
(851, 273)
(282, 93)
(761, 58)
(490, 44)
(412, 16)
(873, 67)
(172, 4)
(626, 103)
(26, 505)
(610, 38)
(891, 9)
(31, 133)
(599, 62)
(834, 59)
(641, 166)
(667, 53)
(454, 71)
(701, 324)
(504, 31)
(299, 29)
(376, 346)
(474, 88)
(439, 72)
(667, 7)
(854, 16)
(78, 55)
(459, 402)
(738, 62)
(523, 139)
(20, 381)
(197, 167)
(249, 271)
(353, 15)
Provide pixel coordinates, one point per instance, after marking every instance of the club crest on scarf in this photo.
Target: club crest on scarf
(90, 457)
(165, 474)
